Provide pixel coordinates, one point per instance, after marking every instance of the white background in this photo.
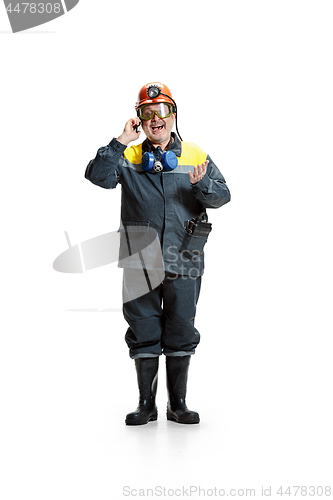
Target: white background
(253, 83)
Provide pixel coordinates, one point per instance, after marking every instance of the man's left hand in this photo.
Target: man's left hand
(198, 172)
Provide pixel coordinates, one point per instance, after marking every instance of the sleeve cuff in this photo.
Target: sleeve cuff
(203, 185)
(117, 146)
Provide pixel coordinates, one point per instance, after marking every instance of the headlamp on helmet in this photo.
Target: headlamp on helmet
(153, 91)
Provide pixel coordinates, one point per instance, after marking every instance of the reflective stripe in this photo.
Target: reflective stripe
(127, 164)
(182, 169)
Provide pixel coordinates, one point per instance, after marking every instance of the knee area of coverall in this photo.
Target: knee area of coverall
(153, 330)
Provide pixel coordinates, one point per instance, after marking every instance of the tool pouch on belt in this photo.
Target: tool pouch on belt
(196, 235)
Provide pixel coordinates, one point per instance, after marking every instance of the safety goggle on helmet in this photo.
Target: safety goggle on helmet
(154, 94)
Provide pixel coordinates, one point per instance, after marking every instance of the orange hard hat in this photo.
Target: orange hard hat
(145, 98)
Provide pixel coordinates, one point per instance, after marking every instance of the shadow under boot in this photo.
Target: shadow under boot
(177, 372)
(147, 370)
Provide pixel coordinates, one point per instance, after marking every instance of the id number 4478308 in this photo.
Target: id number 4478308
(311, 491)
(34, 8)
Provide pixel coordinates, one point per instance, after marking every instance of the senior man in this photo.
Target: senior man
(167, 184)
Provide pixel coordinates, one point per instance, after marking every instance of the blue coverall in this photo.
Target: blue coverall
(162, 321)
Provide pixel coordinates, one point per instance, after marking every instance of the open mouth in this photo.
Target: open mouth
(157, 128)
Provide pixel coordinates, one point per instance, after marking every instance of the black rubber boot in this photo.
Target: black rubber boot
(177, 371)
(146, 369)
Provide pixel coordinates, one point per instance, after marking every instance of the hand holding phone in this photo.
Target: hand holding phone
(131, 131)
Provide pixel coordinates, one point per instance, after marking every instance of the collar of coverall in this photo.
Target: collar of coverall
(174, 145)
